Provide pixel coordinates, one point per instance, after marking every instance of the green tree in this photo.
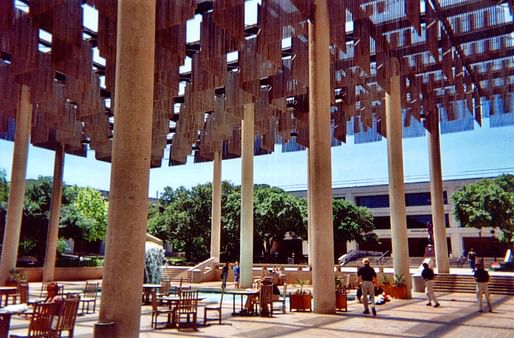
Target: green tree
(36, 209)
(4, 190)
(4, 196)
(487, 203)
(83, 215)
(276, 213)
(351, 223)
(184, 220)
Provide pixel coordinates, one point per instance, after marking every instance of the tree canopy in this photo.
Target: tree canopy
(83, 214)
(487, 203)
(183, 217)
(351, 223)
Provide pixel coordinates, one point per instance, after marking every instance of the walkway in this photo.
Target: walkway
(457, 317)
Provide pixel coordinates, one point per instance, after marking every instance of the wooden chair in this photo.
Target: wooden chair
(165, 287)
(266, 300)
(188, 305)
(41, 320)
(282, 298)
(68, 315)
(214, 307)
(159, 310)
(89, 295)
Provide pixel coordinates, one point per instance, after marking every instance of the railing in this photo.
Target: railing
(381, 260)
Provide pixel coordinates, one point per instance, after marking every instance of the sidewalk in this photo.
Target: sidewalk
(458, 316)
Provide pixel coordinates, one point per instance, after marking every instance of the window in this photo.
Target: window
(376, 201)
(421, 198)
(420, 221)
(382, 222)
(417, 198)
(411, 200)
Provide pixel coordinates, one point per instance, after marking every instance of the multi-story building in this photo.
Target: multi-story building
(419, 214)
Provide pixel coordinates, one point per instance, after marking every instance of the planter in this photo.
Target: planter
(387, 288)
(399, 292)
(300, 302)
(341, 301)
(11, 283)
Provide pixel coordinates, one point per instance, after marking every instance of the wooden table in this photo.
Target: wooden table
(147, 291)
(173, 301)
(241, 292)
(5, 317)
(7, 291)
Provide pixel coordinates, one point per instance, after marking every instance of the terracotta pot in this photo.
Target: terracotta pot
(300, 302)
(399, 292)
(341, 301)
(388, 288)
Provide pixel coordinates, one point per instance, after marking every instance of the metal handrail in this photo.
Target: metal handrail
(381, 259)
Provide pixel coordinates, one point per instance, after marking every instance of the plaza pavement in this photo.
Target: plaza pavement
(458, 316)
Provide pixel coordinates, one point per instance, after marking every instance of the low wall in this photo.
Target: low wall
(65, 274)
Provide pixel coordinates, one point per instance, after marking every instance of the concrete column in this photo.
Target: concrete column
(457, 243)
(17, 186)
(352, 245)
(399, 238)
(436, 195)
(55, 213)
(309, 213)
(246, 244)
(320, 171)
(128, 196)
(216, 206)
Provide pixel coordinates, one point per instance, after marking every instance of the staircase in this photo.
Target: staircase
(499, 285)
(201, 272)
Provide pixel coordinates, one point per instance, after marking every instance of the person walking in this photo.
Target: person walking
(224, 275)
(237, 270)
(428, 277)
(482, 278)
(472, 258)
(367, 277)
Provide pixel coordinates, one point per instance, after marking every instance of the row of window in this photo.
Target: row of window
(413, 221)
(411, 200)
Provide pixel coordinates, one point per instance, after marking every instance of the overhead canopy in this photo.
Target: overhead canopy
(456, 58)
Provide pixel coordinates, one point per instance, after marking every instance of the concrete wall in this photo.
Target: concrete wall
(65, 274)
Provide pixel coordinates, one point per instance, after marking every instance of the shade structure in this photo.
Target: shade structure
(461, 50)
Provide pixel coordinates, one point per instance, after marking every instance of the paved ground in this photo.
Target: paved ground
(457, 317)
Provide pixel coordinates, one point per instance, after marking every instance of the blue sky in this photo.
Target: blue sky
(483, 151)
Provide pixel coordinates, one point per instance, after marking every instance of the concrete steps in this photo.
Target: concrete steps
(500, 285)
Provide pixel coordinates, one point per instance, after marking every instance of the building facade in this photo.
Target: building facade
(418, 213)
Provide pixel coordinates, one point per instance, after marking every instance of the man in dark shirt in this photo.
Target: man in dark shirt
(482, 278)
(367, 277)
(428, 277)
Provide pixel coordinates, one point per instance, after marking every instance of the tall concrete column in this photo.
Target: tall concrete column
(55, 213)
(216, 206)
(309, 213)
(17, 186)
(399, 238)
(320, 171)
(436, 195)
(246, 230)
(128, 196)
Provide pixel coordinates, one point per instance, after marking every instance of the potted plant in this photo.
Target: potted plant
(341, 295)
(385, 283)
(399, 289)
(14, 277)
(301, 300)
